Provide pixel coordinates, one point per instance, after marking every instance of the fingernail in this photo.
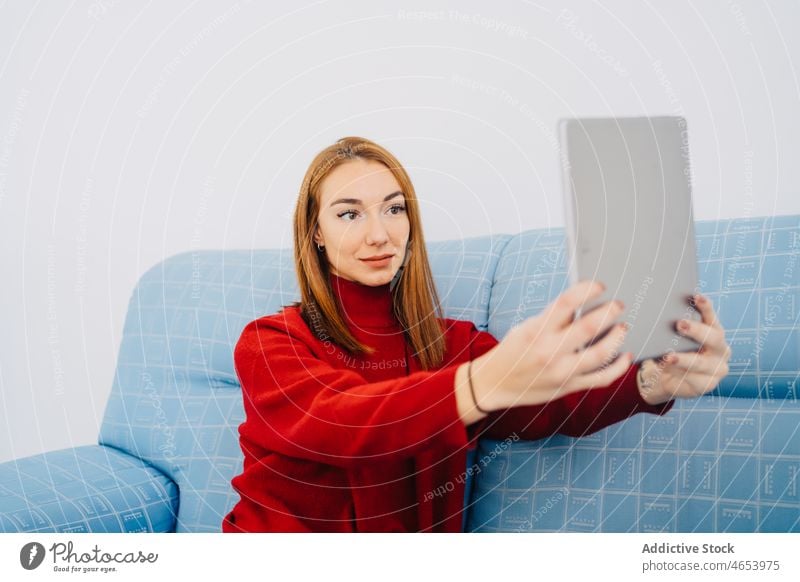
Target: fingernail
(620, 304)
(701, 300)
(625, 327)
(683, 325)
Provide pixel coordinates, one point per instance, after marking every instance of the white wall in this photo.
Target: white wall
(130, 131)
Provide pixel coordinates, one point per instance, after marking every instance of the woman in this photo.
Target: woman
(361, 400)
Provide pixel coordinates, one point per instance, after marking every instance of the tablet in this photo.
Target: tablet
(629, 224)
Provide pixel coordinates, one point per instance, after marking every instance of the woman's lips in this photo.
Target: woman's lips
(378, 262)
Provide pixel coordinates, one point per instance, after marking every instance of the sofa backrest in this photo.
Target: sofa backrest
(176, 401)
(729, 461)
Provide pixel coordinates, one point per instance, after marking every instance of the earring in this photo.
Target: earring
(319, 248)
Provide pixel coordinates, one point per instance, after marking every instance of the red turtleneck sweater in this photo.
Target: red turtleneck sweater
(336, 443)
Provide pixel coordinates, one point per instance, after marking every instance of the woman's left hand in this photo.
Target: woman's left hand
(689, 374)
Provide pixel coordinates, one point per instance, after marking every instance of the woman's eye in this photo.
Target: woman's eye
(399, 208)
(346, 212)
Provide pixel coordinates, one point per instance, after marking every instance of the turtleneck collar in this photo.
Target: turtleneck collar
(363, 305)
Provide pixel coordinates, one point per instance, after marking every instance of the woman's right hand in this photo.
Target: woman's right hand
(545, 357)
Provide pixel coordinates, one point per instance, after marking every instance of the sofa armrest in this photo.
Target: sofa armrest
(91, 488)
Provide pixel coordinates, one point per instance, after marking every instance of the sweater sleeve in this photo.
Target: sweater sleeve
(299, 405)
(577, 414)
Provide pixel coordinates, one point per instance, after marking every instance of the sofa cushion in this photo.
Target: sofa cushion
(464, 271)
(750, 268)
(712, 464)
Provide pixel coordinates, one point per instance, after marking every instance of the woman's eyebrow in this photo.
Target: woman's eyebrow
(357, 201)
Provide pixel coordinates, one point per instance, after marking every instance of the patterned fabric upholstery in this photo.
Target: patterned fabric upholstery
(726, 462)
(176, 401)
(91, 488)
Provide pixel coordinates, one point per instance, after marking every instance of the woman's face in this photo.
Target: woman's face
(362, 215)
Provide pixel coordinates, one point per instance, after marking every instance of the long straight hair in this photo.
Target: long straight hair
(415, 301)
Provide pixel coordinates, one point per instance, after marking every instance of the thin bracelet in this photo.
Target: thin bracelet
(472, 388)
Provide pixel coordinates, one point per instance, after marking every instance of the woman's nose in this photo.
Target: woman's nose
(376, 231)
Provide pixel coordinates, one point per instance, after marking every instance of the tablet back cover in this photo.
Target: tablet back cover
(629, 222)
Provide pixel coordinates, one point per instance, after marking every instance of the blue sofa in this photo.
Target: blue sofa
(168, 445)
